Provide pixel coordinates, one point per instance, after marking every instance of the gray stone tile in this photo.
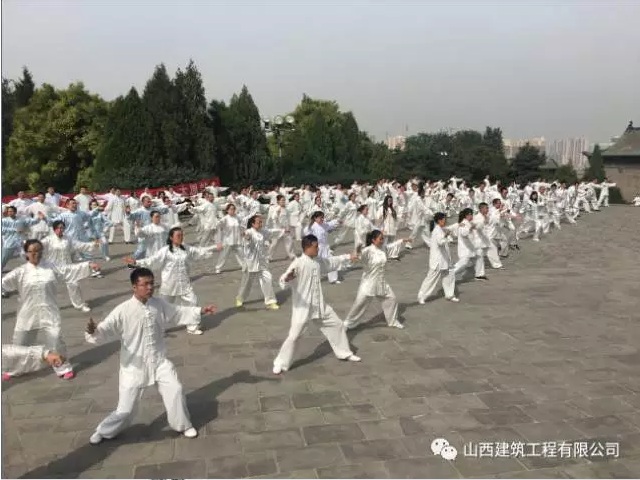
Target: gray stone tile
(503, 346)
(503, 416)
(255, 442)
(318, 399)
(294, 418)
(388, 428)
(350, 413)
(429, 363)
(208, 446)
(367, 470)
(181, 469)
(459, 387)
(602, 426)
(418, 390)
(505, 399)
(332, 433)
(275, 403)
(317, 456)
(432, 467)
(251, 465)
(373, 450)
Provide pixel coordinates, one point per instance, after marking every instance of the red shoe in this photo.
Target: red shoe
(6, 377)
(68, 376)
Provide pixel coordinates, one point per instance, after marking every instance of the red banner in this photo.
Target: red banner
(185, 189)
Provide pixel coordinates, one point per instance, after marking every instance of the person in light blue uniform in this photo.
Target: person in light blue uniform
(142, 217)
(100, 224)
(12, 228)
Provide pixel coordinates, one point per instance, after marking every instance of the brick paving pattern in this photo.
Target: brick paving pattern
(546, 350)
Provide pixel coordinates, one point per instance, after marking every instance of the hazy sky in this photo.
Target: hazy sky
(555, 69)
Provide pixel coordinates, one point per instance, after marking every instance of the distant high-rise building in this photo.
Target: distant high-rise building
(568, 151)
(512, 147)
(397, 142)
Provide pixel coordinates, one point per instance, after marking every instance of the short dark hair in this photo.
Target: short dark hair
(439, 216)
(154, 212)
(31, 241)
(308, 240)
(495, 201)
(57, 223)
(483, 204)
(252, 220)
(140, 272)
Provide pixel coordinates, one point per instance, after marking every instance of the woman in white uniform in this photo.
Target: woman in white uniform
(373, 283)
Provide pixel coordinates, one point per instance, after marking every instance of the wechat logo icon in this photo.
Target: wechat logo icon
(441, 447)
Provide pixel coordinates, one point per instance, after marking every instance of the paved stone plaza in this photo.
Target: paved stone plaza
(546, 350)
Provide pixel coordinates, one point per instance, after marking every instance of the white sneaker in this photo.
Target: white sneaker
(190, 433)
(454, 299)
(421, 302)
(277, 370)
(95, 439)
(85, 309)
(397, 325)
(195, 331)
(353, 358)
(217, 272)
(107, 259)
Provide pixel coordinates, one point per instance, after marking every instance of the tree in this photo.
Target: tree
(240, 139)
(566, 174)
(123, 142)
(161, 105)
(526, 164)
(196, 136)
(55, 137)
(596, 165)
(8, 107)
(24, 89)
(381, 164)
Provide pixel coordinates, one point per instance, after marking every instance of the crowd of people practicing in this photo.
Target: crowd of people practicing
(485, 222)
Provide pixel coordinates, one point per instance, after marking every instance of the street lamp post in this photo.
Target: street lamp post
(276, 127)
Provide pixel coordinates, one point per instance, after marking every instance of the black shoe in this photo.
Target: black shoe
(482, 278)
(131, 266)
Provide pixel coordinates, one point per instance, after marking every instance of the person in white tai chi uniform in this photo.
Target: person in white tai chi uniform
(440, 264)
(18, 359)
(140, 323)
(309, 304)
(373, 283)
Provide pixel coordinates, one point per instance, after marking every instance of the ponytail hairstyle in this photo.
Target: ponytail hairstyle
(463, 214)
(371, 236)
(386, 207)
(170, 236)
(316, 214)
(436, 218)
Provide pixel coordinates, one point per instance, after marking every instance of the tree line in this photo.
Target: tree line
(170, 134)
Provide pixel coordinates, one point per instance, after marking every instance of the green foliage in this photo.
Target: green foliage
(55, 137)
(596, 166)
(566, 174)
(169, 134)
(526, 164)
(24, 89)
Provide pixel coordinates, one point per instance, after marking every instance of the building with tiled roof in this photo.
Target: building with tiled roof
(622, 162)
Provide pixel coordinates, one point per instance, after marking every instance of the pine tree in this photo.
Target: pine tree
(596, 165)
(196, 135)
(162, 128)
(24, 89)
